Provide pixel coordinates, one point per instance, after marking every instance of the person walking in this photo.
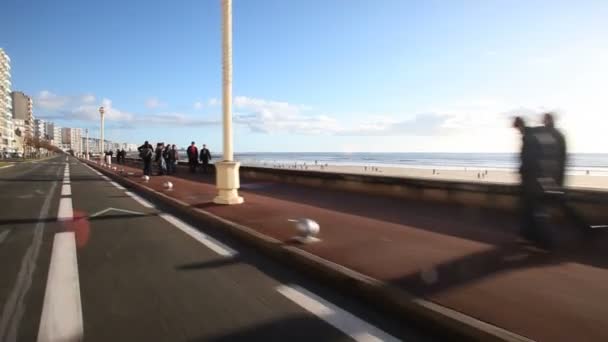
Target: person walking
(560, 148)
(145, 153)
(158, 158)
(530, 191)
(166, 152)
(205, 157)
(173, 159)
(192, 153)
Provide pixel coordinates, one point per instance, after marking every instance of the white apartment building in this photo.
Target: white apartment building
(71, 138)
(40, 129)
(7, 134)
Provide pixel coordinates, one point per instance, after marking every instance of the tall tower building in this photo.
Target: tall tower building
(7, 134)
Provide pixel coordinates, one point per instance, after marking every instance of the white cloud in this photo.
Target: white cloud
(153, 103)
(213, 102)
(50, 101)
(198, 105)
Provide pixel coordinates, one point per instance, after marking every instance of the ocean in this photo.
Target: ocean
(578, 163)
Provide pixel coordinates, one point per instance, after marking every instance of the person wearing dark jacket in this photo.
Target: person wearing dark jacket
(561, 151)
(205, 157)
(531, 193)
(192, 153)
(146, 152)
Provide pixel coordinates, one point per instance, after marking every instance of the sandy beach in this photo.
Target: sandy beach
(472, 175)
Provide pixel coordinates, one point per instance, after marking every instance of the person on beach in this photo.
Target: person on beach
(145, 153)
(205, 157)
(173, 159)
(192, 153)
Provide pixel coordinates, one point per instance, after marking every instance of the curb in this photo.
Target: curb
(380, 294)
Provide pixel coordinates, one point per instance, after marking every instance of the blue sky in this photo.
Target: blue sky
(316, 75)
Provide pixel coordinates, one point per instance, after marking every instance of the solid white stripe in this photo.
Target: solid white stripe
(65, 211)
(105, 178)
(7, 166)
(140, 200)
(61, 318)
(66, 190)
(208, 241)
(342, 320)
(118, 185)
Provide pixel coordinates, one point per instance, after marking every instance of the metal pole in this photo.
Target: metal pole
(87, 143)
(101, 141)
(227, 77)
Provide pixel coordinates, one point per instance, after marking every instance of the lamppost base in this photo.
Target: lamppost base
(228, 183)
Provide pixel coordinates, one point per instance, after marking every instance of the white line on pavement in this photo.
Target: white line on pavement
(66, 190)
(208, 241)
(118, 185)
(3, 235)
(6, 166)
(61, 318)
(105, 178)
(65, 211)
(342, 320)
(139, 200)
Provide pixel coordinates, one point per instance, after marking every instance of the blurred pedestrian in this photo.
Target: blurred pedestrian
(560, 145)
(205, 157)
(173, 159)
(192, 153)
(146, 153)
(166, 152)
(158, 158)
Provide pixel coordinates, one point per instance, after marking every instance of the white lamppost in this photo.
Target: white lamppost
(227, 171)
(101, 148)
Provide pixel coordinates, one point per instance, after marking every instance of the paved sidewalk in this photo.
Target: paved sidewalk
(462, 258)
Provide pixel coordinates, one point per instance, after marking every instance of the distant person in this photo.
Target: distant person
(146, 152)
(166, 152)
(158, 158)
(205, 157)
(192, 153)
(561, 153)
(173, 159)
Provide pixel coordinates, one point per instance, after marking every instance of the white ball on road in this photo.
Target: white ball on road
(168, 185)
(146, 178)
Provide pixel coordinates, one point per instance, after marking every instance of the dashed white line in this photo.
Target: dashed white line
(65, 211)
(3, 235)
(208, 241)
(61, 318)
(342, 320)
(66, 190)
(139, 200)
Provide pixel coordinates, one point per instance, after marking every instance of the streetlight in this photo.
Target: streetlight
(101, 149)
(227, 171)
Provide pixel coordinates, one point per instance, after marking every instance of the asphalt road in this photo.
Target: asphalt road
(82, 258)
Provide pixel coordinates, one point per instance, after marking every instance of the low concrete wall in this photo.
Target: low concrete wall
(592, 204)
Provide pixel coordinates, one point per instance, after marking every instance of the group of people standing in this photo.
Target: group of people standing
(194, 157)
(166, 157)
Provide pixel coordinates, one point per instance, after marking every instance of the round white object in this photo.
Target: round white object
(307, 227)
(168, 185)
(146, 178)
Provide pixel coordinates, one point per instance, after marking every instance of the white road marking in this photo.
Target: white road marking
(66, 190)
(61, 318)
(92, 169)
(65, 211)
(14, 306)
(105, 178)
(342, 320)
(7, 166)
(139, 200)
(208, 241)
(3, 235)
(118, 185)
(107, 210)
